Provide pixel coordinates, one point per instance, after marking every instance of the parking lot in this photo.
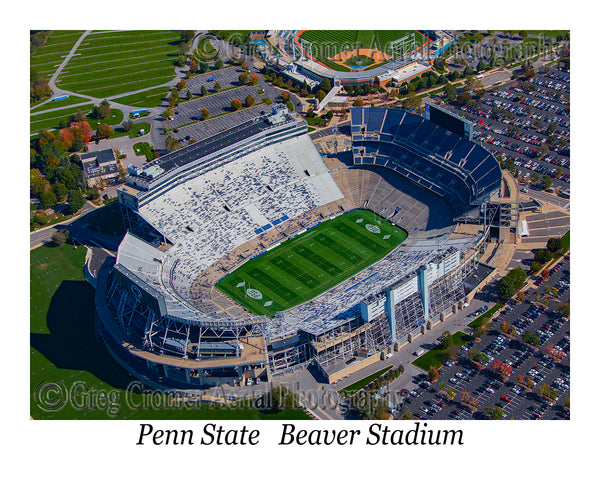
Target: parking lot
(514, 119)
(548, 364)
(187, 123)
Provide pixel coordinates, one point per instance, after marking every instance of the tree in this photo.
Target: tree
(81, 131)
(104, 131)
(218, 63)
(187, 35)
(546, 182)
(535, 267)
(204, 113)
(249, 100)
(168, 113)
(320, 95)
(565, 309)
(203, 67)
(193, 66)
(505, 326)
(433, 374)
(520, 296)
(325, 85)
(535, 178)
(358, 103)
(60, 237)
(464, 99)
(127, 125)
(172, 144)
(542, 256)
(554, 245)
(445, 339)
(493, 412)
(506, 288)
(450, 91)
(253, 79)
(61, 191)
(203, 91)
(75, 200)
(217, 86)
(47, 198)
(236, 104)
(411, 102)
(243, 78)
(102, 110)
(520, 379)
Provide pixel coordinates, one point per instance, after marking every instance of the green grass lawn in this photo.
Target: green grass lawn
(48, 120)
(359, 60)
(150, 98)
(485, 317)
(66, 355)
(356, 386)
(437, 355)
(112, 63)
(144, 148)
(309, 264)
(49, 56)
(70, 100)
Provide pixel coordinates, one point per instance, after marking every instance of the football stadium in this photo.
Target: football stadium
(248, 257)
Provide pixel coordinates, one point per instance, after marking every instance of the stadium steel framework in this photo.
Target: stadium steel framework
(168, 341)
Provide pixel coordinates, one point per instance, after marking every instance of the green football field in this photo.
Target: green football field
(311, 263)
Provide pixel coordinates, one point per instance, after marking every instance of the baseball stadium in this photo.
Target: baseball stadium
(248, 255)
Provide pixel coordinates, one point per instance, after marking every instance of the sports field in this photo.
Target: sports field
(327, 43)
(309, 264)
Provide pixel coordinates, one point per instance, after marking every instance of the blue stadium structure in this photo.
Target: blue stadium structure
(197, 214)
(457, 169)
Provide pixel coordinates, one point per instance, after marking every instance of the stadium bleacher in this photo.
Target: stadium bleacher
(459, 170)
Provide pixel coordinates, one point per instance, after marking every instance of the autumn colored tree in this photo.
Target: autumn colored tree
(236, 104)
(81, 130)
(545, 274)
(249, 100)
(193, 66)
(46, 138)
(104, 131)
(66, 137)
(204, 113)
(181, 84)
(168, 113)
(520, 379)
(465, 397)
(529, 383)
(505, 326)
(433, 374)
(520, 295)
(253, 79)
(243, 78)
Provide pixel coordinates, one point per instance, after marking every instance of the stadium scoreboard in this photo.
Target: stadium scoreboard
(449, 121)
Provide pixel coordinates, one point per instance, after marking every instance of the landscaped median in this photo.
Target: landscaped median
(484, 318)
(440, 353)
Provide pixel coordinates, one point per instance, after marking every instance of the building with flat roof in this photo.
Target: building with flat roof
(100, 166)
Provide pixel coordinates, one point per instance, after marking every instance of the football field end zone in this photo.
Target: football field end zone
(305, 266)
